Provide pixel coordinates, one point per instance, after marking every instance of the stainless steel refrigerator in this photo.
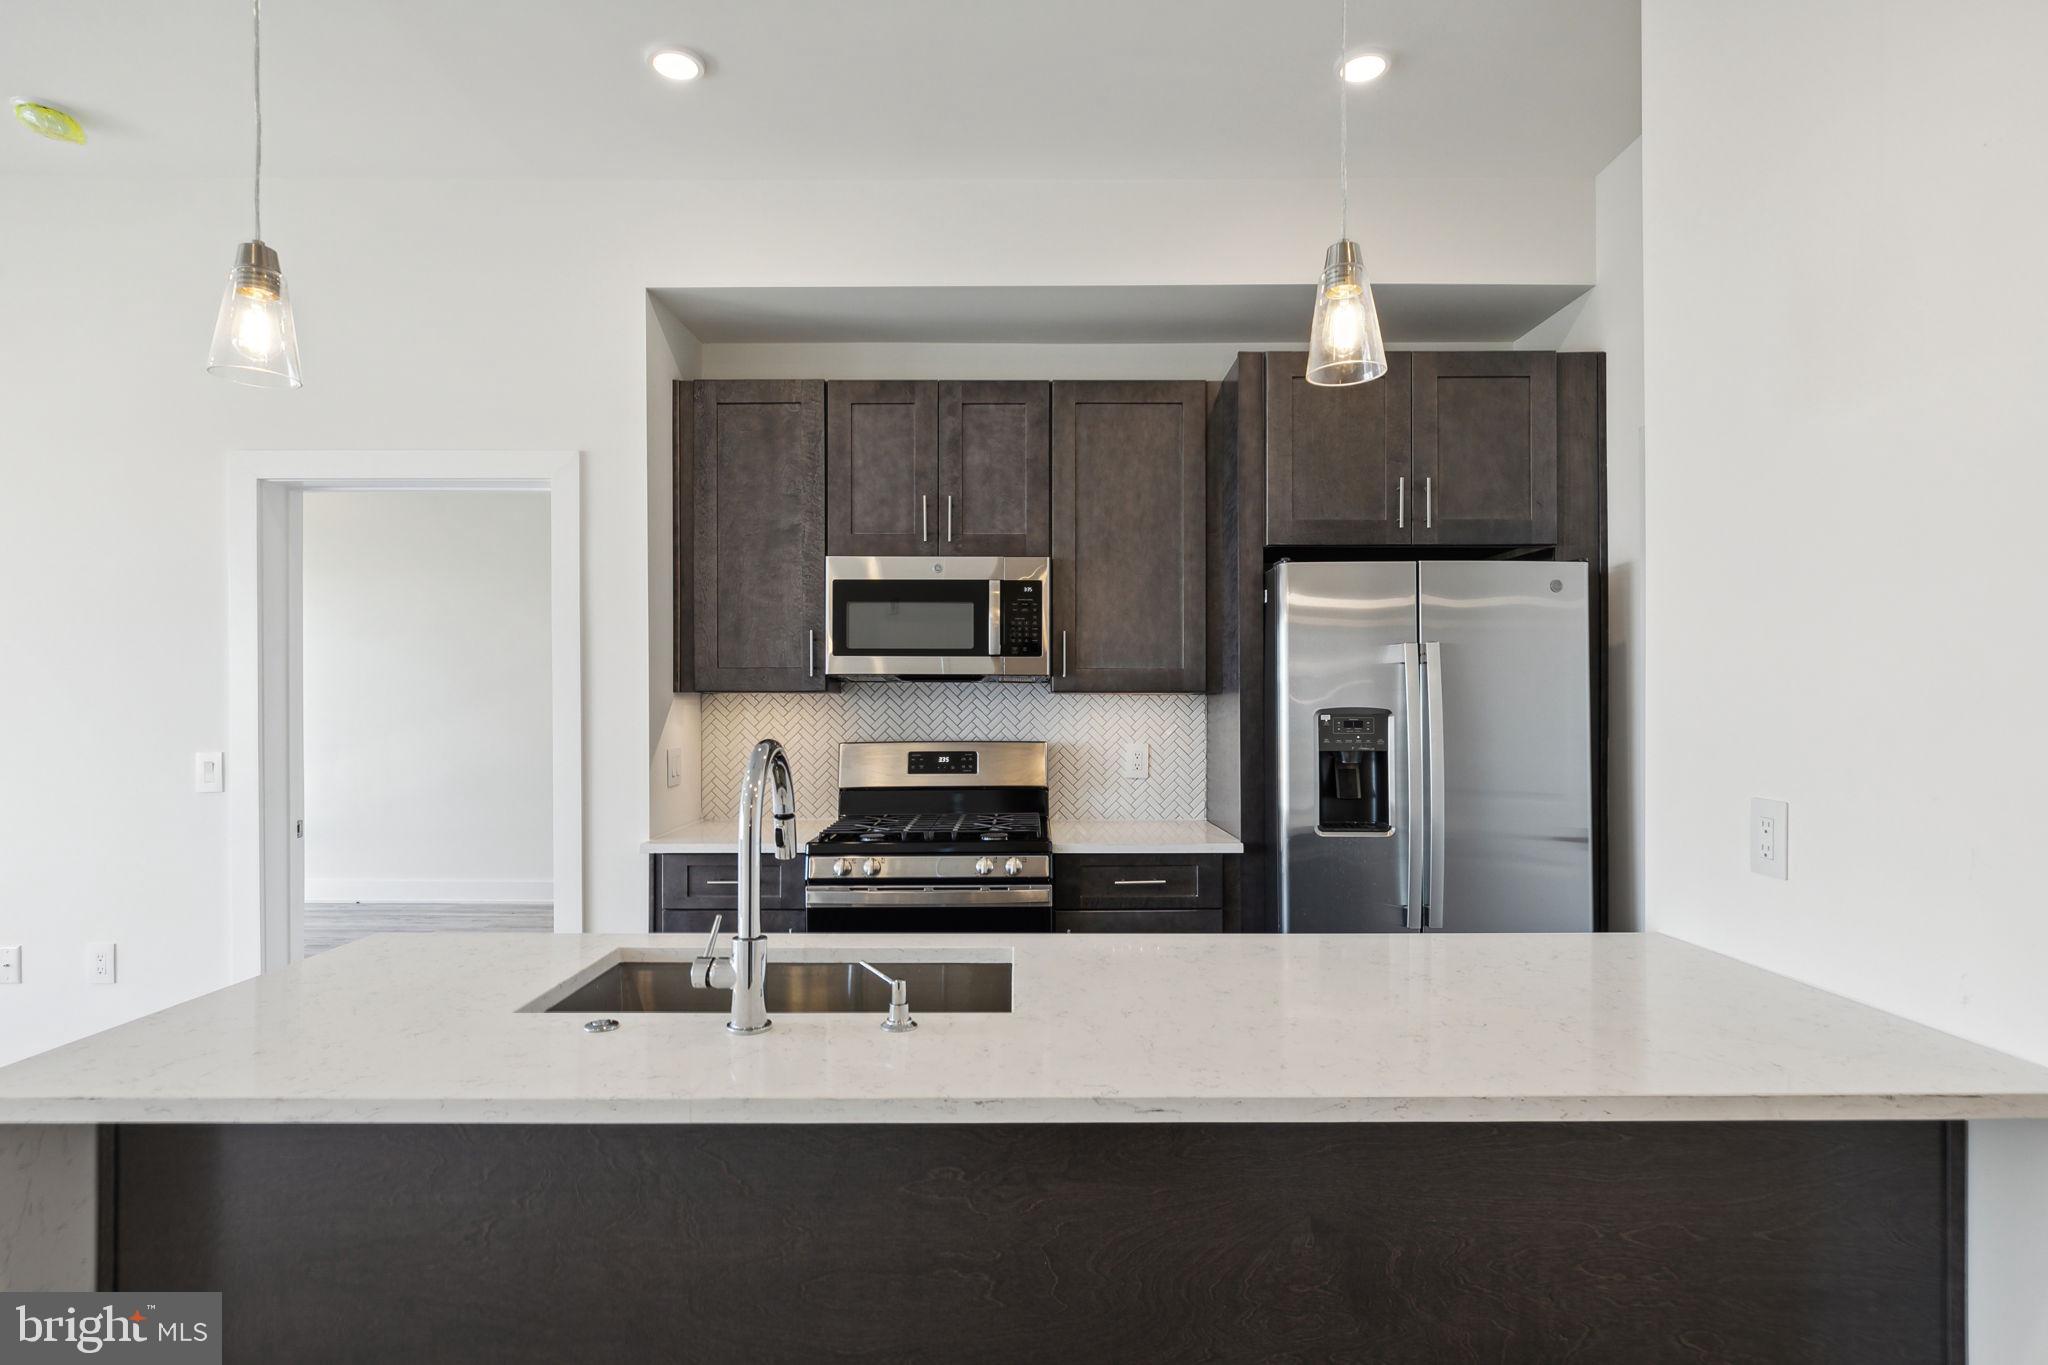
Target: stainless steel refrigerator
(1432, 739)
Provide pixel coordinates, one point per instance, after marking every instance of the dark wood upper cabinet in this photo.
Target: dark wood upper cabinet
(1485, 431)
(1128, 499)
(757, 449)
(881, 467)
(994, 474)
(1337, 459)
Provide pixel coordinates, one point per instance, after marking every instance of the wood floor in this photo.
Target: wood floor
(330, 926)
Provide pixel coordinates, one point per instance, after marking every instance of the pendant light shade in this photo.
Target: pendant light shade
(1344, 345)
(253, 339)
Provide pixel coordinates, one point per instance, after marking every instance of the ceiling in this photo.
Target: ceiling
(1101, 314)
(835, 89)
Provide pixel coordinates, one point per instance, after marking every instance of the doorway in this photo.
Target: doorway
(405, 697)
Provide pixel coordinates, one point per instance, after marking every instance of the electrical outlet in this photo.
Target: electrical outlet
(10, 964)
(99, 963)
(1768, 833)
(1137, 760)
(675, 767)
(206, 772)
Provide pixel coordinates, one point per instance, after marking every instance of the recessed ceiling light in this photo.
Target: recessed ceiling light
(677, 65)
(1366, 66)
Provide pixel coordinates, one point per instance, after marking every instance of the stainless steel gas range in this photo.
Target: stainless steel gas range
(934, 837)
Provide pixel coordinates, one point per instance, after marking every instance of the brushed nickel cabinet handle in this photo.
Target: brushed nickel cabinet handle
(949, 518)
(810, 654)
(1141, 881)
(924, 517)
(729, 881)
(1428, 505)
(1063, 654)
(1401, 503)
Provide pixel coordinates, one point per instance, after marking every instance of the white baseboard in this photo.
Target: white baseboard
(428, 891)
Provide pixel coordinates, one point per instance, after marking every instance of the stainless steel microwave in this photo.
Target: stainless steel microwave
(930, 616)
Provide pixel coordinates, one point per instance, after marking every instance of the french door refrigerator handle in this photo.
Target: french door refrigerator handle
(1409, 826)
(1433, 675)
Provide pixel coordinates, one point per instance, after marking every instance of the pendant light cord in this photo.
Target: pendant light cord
(1343, 123)
(256, 28)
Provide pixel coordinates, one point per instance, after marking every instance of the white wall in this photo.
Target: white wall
(672, 717)
(1609, 317)
(460, 314)
(1843, 203)
(426, 647)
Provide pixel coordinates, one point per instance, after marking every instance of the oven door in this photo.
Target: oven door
(965, 908)
(918, 617)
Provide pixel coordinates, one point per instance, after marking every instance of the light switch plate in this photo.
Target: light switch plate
(675, 767)
(1769, 830)
(10, 964)
(206, 772)
(99, 963)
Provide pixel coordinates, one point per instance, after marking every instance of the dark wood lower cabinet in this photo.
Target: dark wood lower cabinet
(1402, 1244)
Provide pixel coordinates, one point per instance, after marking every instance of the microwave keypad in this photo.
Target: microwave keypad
(1023, 618)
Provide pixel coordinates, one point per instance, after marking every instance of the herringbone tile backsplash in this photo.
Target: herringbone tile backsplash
(1084, 735)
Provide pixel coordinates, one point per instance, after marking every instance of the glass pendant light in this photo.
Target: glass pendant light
(254, 341)
(1344, 345)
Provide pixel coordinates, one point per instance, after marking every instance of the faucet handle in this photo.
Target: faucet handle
(700, 970)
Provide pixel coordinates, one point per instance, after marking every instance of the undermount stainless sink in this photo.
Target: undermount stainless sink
(798, 988)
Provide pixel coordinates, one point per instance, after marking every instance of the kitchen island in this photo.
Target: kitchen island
(1396, 1147)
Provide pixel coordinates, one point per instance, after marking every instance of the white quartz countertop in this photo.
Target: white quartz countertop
(1068, 836)
(1108, 1028)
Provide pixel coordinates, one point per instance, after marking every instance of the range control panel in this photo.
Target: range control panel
(1023, 607)
(944, 761)
(1360, 728)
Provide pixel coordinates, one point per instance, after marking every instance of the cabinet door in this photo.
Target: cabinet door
(994, 474)
(881, 467)
(1486, 447)
(1128, 497)
(759, 598)
(1337, 458)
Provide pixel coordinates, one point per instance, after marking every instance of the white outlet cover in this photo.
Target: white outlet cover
(675, 767)
(1137, 760)
(10, 964)
(1769, 833)
(99, 963)
(206, 771)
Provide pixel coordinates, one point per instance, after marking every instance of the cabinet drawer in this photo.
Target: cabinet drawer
(1138, 881)
(699, 921)
(1137, 921)
(710, 881)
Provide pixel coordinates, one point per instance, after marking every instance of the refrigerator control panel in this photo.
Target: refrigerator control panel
(1354, 728)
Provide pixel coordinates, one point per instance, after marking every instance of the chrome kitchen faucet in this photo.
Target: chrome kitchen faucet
(745, 968)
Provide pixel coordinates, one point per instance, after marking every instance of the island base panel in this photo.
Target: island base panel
(1722, 1242)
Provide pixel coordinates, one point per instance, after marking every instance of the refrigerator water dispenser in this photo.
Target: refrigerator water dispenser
(1351, 770)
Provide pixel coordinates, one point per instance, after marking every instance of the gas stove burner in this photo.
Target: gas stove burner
(947, 827)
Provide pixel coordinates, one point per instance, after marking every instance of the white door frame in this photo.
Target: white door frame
(264, 488)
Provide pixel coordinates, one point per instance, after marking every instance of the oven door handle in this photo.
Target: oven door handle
(911, 897)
